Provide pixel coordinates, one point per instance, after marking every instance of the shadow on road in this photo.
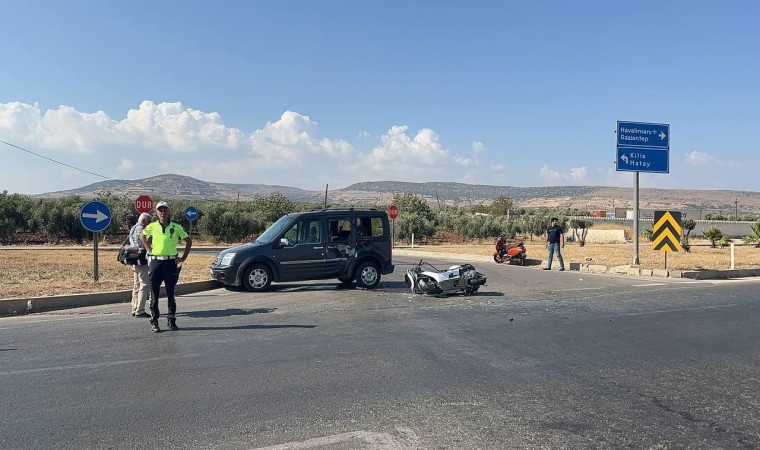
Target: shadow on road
(246, 327)
(227, 312)
(488, 294)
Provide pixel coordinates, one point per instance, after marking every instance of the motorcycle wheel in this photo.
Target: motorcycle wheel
(497, 260)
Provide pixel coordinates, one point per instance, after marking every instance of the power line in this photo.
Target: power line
(57, 162)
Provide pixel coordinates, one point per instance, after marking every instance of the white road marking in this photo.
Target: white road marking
(586, 289)
(649, 284)
(354, 439)
(92, 365)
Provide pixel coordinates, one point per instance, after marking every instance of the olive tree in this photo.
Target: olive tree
(14, 215)
(583, 226)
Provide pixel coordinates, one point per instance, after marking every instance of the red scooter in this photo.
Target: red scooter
(511, 253)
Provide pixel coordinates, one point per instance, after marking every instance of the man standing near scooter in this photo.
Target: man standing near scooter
(554, 237)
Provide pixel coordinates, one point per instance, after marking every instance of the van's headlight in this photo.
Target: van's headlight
(227, 259)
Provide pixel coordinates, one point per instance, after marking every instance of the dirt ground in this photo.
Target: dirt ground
(40, 272)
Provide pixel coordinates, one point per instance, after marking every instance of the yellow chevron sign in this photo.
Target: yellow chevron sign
(666, 232)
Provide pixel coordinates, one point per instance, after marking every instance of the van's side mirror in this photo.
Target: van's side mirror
(284, 242)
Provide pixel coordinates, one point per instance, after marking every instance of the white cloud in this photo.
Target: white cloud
(477, 148)
(126, 165)
(398, 149)
(575, 175)
(294, 139)
(157, 138)
(700, 159)
(171, 128)
(578, 173)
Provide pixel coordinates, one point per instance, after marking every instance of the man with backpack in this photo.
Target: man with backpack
(140, 288)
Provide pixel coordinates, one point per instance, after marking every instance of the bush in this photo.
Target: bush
(713, 234)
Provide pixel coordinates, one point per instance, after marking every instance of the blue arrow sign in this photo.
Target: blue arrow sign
(638, 134)
(635, 159)
(191, 213)
(95, 216)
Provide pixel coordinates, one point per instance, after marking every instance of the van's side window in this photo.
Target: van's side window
(370, 228)
(340, 230)
(305, 231)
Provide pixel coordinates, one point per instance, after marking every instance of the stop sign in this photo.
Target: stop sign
(393, 211)
(143, 204)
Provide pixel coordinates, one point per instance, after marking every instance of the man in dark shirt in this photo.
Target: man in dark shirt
(555, 238)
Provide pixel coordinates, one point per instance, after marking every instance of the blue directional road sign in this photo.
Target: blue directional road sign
(638, 134)
(634, 159)
(95, 216)
(191, 213)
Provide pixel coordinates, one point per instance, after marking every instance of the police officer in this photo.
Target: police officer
(160, 239)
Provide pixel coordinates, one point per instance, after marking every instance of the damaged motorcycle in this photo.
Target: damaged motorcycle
(457, 279)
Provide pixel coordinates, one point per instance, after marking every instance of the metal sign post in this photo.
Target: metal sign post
(641, 147)
(393, 214)
(95, 216)
(95, 271)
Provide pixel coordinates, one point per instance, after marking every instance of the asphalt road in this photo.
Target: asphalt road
(537, 360)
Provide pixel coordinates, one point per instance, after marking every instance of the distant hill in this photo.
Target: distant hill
(173, 186)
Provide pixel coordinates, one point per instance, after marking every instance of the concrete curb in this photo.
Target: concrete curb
(15, 306)
(711, 274)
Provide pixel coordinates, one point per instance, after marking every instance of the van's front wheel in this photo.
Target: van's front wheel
(257, 278)
(368, 275)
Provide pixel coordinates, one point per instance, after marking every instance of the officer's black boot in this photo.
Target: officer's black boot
(154, 328)
(173, 324)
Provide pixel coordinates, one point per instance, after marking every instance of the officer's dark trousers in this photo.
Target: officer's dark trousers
(162, 271)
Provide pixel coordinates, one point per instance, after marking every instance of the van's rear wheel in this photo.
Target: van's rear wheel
(257, 278)
(368, 275)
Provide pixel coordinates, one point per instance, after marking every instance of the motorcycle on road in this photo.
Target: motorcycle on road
(457, 279)
(511, 253)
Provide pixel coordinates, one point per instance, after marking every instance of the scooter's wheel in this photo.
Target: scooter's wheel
(521, 261)
(497, 260)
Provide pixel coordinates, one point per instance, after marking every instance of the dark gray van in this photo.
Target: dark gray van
(347, 244)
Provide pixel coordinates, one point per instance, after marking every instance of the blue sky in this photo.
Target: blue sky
(304, 93)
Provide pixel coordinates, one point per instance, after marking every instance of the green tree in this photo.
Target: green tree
(232, 221)
(583, 226)
(534, 224)
(501, 206)
(14, 215)
(408, 203)
(273, 206)
(413, 223)
(687, 226)
(755, 238)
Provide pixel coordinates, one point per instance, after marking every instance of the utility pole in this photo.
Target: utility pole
(736, 209)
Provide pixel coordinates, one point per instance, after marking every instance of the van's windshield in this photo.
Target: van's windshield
(271, 233)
